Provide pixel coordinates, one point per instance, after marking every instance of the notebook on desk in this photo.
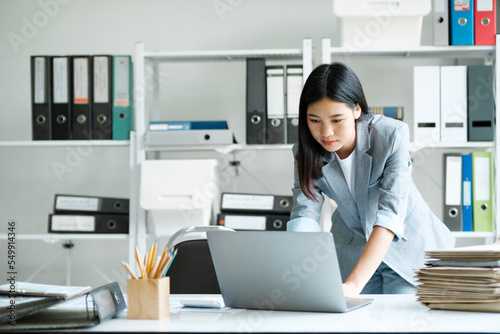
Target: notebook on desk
(272, 270)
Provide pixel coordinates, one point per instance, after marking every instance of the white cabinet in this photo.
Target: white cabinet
(486, 54)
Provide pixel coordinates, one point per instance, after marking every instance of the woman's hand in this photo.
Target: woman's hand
(350, 290)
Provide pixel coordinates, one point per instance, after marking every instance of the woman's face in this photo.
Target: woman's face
(333, 125)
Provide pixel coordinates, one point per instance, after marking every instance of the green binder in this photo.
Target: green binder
(123, 93)
(482, 192)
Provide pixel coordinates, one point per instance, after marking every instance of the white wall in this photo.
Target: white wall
(28, 178)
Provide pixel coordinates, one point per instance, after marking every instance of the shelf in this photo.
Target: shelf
(480, 51)
(219, 148)
(64, 143)
(474, 234)
(179, 56)
(415, 147)
(52, 238)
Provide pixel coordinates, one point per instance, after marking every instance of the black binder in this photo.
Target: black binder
(256, 203)
(60, 95)
(88, 223)
(256, 101)
(275, 105)
(294, 82)
(481, 103)
(40, 97)
(33, 312)
(90, 204)
(102, 97)
(248, 222)
(81, 97)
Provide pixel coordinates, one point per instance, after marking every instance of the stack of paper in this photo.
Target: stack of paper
(466, 279)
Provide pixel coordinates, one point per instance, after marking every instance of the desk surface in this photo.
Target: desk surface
(387, 314)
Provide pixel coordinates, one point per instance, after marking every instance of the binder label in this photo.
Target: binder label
(81, 81)
(60, 86)
(482, 178)
(121, 81)
(484, 5)
(462, 5)
(39, 80)
(101, 80)
(294, 89)
(77, 203)
(453, 177)
(73, 223)
(260, 202)
(467, 193)
(245, 222)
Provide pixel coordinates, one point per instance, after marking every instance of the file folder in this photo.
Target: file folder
(90, 204)
(251, 203)
(481, 103)
(81, 80)
(187, 125)
(88, 223)
(426, 100)
(482, 191)
(101, 108)
(485, 22)
(453, 104)
(40, 97)
(189, 137)
(256, 101)
(392, 112)
(294, 83)
(462, 22)
(275, 121)
(441, 22)
(60, 101)
(452, 191)
(264, 222)
(467, 193)
(122, 113)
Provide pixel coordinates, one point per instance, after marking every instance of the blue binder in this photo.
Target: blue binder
(462, 22)
(467, 193)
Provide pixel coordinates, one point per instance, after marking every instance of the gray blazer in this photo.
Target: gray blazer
(384, 195)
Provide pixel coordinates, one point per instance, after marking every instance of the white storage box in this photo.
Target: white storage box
(178, 193)
(374, 23)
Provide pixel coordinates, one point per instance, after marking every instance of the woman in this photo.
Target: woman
(382, 225)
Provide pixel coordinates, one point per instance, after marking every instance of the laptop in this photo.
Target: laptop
(276, 270)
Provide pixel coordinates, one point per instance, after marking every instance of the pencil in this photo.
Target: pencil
(163, 266)
(129, 270)
(154, 268)
(174, 253)
(141, 265)
(149, 260)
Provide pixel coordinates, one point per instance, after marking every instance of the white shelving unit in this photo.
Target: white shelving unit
(486, 52)
(53, 238)
(154, 59)
(64, 143)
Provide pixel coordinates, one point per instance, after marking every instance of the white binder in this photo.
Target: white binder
(453, 104)
(452, 216)
(426, 104)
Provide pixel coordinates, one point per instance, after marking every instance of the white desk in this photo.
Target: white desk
(387, 314)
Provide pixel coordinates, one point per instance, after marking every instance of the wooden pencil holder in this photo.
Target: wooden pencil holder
(148, 298)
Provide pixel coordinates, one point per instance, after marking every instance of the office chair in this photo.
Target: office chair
(192, 271)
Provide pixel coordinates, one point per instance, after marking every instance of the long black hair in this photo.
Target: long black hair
(337, 82)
